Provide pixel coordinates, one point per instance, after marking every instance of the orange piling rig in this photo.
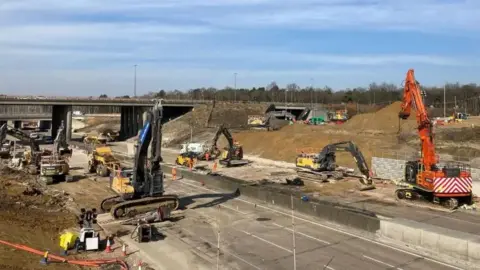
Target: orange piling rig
(89, 263)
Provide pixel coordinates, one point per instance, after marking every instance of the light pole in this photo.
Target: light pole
(235, 86)
(444, 102)
(135, 81)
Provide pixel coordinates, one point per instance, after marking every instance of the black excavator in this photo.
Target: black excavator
(229, 157)
(141, 189)
(31, 158)
(323, 165)
(233, 154)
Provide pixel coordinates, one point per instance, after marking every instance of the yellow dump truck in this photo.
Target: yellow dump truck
(102, 161)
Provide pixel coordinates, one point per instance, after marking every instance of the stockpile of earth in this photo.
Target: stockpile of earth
(205, 118)
(385, 121)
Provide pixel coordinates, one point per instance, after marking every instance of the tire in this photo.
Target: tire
(104, 171)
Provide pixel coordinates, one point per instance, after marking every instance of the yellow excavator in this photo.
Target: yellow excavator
(141, 189)
(321, 166)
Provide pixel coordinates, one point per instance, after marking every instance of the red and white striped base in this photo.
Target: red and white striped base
(452, 185)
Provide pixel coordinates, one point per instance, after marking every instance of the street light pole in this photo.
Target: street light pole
(444, 102)
(235, 86)
(311, 92)
(135, 81)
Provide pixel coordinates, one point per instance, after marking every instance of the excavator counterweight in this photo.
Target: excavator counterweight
(447, 184)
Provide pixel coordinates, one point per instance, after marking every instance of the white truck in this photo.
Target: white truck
(197, 148)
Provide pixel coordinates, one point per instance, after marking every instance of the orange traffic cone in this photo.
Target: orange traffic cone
(214, 169)
(124, 250)
(109, 246)
(140, 265)
(174, 173)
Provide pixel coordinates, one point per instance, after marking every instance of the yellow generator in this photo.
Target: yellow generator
(186, 159)
(102, 161)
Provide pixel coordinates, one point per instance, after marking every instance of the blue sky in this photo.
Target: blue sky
(75, 47)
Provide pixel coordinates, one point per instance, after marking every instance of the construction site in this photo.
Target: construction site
(244, 186)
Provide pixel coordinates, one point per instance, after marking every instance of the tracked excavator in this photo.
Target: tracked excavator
(141, 189)
(323, 165)
(447, 184)
(30, 158)
(55, 168)
(231, 156)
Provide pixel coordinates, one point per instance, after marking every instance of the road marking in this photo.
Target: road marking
(327, 267)
(297, 232)
(333, 229)
(380, 262)
(224, 250)
(266, 241)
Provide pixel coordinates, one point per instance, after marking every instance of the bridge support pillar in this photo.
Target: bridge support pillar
(130, 121)
(62, 113)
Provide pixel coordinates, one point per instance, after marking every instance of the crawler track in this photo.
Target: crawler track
(131, 208)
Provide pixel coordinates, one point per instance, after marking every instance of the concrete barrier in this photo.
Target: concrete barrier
(349, 216)
(457, 245)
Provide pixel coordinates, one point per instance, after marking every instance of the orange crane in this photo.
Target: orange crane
(448, 185)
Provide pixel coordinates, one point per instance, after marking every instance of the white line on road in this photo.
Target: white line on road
(224, 251)
(327, 267)
(300, 233)
(331, 228)
(266, 241)
(380, 262)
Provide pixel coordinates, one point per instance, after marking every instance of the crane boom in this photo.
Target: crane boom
(412, 96)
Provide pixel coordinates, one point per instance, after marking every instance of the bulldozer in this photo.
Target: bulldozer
(141, 189)
(322, 166)
(102, 161)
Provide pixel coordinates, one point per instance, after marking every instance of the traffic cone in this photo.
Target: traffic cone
(109, 246)
(214, 169)
(203, 183)
(124, 250)
(140, 265)
(44, 260)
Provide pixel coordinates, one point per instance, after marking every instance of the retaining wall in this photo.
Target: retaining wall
(349, 216)
(457, 245)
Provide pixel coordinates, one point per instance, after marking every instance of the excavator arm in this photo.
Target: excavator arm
(22, 137)
(412, 96)
(147, 178)
(3, 133)
(60, 145)
(222, 130)
(327, 156)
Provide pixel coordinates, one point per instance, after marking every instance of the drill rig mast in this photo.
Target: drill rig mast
(141, 190)
(423, 177)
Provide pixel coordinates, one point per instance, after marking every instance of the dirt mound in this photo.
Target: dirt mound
(206, 117)
(385, 120)
(235, 115)
(97, 125)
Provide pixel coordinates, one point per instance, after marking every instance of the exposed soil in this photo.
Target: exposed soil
(32, 217)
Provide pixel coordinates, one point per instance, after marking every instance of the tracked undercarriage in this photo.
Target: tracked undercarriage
(120, 208)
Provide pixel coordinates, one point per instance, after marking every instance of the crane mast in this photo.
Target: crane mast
(412, 96)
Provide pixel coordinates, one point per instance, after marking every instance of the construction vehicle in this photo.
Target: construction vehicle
(230, 156)
(102, 161)
(95, 139)
(55, 168)
(446, 184)
(30, 159)
(321, 166)
(141, 189)
(4, 145)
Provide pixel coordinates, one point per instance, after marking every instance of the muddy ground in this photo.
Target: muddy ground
(30, 217)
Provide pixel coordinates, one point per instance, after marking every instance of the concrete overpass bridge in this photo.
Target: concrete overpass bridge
(132, 110)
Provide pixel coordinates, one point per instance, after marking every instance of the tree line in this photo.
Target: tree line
(460, 97)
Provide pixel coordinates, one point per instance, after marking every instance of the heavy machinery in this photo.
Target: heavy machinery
(141, 190)
(231, 156)
(323, 165)
(30, 159)
(102, 161)
(4, 146)
(55, 168)
(425, 178)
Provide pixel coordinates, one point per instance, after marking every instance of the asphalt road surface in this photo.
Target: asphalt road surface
(256, 236)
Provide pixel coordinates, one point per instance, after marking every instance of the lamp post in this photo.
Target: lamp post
(135, 81)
